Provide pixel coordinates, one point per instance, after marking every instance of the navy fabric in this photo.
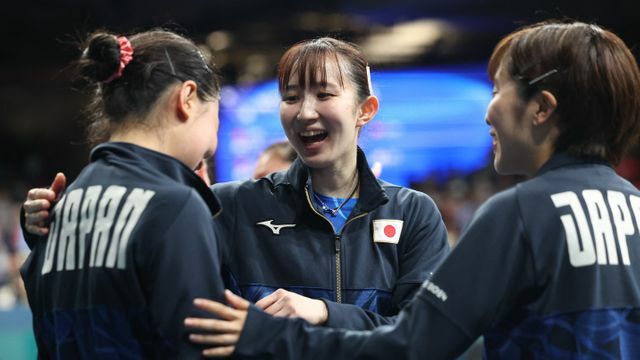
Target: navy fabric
(549, 269)
(596, 334)
(130, 245)
(99, 331)
(273, 237)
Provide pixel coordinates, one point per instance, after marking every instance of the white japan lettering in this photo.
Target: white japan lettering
(609, 221)
(87, 223)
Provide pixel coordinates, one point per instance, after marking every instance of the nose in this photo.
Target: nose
(308, 109)
(486, 119)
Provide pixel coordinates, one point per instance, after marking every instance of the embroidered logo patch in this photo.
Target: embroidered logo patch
(275, 228)
(387, 231)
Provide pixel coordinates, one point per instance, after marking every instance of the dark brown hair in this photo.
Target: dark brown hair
(591, 72)
(161, 58)
(307, 56)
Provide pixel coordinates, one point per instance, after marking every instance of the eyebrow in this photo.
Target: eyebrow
(292, 87)
(332, 85)
(295, 87)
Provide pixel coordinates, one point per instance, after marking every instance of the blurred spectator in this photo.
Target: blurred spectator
(460, 195)
(13, 251)
(276, 157)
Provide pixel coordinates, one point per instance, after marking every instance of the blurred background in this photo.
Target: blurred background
(428, 61)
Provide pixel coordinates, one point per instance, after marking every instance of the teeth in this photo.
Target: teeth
(311, 133)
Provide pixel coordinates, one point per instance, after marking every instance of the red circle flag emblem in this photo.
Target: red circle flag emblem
(389, 230)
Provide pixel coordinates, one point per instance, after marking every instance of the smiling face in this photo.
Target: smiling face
(511, 127)
(322, 120)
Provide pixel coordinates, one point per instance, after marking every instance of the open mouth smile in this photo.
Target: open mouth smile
(312, 136)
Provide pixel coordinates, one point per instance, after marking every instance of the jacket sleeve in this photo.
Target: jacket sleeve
(423, 247)
(182, 265)
(473, 289)
(417, 334)
(490, 270)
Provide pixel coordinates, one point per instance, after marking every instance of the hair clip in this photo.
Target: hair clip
(204, 61)
(368, 69)
(542, 77)
(173, 69)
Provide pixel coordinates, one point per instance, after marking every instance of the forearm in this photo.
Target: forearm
(353, 317)
(265, 336)
(420, 331)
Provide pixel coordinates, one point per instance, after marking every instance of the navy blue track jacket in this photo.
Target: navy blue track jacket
(130, 245)
(274, 238)
(549, 269)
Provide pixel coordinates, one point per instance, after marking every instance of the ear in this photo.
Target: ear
(368, 109)
(546, 104)
(186, 99)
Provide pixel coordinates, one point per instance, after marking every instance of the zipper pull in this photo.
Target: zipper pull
(337, 243)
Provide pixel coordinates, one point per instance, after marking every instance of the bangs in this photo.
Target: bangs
(308, 61)
(500, 52)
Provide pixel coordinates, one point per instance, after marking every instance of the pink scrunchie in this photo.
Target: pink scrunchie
(126, 55)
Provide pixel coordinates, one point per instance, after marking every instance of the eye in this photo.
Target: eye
(324, 95)
(494, 91)
(290, 98)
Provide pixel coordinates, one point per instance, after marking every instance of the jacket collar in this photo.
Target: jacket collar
(372, 194)
(563, 159)
(155, 162)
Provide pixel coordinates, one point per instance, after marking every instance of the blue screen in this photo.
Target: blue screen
(430, 123)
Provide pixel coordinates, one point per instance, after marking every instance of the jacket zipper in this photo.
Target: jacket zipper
(336, 239)
(338, 271)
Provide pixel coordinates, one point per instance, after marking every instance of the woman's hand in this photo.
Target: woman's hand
(288, 304)
(226, 331)
(38, 204)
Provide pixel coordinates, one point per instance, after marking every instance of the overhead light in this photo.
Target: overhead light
(219, 40)
(404, 41)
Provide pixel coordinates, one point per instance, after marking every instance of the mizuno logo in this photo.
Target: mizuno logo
(274, 227)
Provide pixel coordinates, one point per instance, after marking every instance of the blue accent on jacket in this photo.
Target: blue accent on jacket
(516, 277)
(116, 279)
(372, 280)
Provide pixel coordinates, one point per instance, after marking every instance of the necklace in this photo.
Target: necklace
(331, 211)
